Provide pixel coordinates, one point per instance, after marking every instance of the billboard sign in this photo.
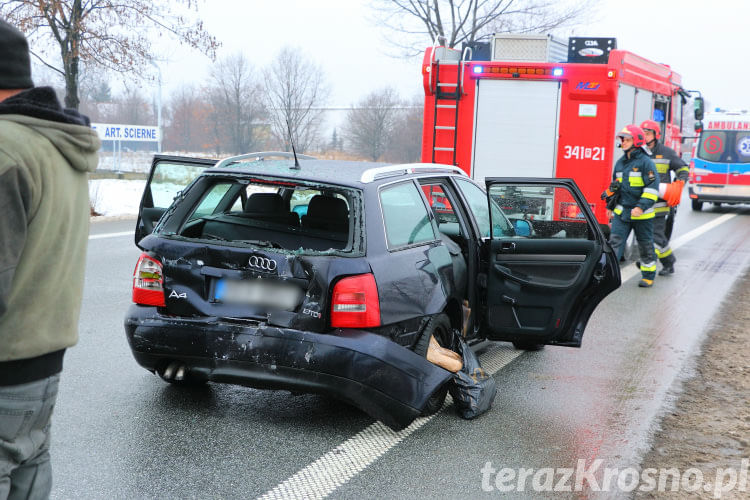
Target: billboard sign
(118, 132)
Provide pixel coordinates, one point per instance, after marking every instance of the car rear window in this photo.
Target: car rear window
(272, 213)
(712, 145)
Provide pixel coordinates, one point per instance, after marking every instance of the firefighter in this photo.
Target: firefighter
(635, 182)
(666, 161)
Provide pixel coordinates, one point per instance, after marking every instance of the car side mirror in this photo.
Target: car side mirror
(698, 126)
(522, 227)
(699, 108)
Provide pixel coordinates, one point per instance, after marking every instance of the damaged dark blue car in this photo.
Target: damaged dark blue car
(335, 277)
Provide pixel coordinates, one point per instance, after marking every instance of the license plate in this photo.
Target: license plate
(711, 190)
(258, 293)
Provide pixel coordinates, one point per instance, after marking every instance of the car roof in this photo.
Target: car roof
(341, 172)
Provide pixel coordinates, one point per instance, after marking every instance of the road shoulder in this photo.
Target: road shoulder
(709, 427)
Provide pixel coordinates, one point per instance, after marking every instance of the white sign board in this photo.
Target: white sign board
(117, 132)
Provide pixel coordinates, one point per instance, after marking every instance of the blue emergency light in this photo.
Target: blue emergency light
(478, 69)
(557, 72)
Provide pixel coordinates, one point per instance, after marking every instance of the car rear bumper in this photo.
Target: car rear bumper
(728, 194)
(384, 379)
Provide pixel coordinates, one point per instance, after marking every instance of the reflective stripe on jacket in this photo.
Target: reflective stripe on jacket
(639, 184)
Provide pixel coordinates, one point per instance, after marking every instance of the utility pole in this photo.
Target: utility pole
(158, 105)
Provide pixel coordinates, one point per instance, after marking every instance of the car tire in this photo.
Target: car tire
(697, 205)
(440, 327)
(525, 345)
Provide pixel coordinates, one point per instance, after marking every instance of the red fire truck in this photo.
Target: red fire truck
(531, 106)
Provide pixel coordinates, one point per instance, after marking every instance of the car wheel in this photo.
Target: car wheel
(439, 327)
(525, 345)
(697, 205)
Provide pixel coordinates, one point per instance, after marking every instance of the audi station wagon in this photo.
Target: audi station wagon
(333, 276)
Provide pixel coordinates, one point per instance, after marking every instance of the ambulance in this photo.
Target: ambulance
(533, 106)
(720, 167)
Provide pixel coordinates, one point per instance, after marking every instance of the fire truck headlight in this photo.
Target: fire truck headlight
(478, 69)
(557, 72)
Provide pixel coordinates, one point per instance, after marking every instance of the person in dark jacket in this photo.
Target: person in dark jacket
(667, 162)
(636, 182)
(46, 153)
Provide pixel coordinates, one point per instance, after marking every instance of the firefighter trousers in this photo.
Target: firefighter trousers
(644, 235)
(661, 241)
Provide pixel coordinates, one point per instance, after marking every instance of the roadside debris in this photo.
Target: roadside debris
(444, 358)
(472, 389)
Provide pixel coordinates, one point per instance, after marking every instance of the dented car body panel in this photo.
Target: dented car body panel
(362, 368)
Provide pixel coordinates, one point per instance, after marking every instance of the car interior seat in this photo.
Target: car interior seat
(269, 207)
(328, 213)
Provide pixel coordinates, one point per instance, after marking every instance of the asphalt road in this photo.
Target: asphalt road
(120, 432)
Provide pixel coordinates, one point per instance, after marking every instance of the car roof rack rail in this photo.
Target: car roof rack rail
(260, 156)
(373, 174)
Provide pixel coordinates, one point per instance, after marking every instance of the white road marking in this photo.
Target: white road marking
(631, 271)
(341, 464)
(110, 235)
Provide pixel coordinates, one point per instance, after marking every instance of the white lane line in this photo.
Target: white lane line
(341, 464)
(110, 235)
(630, 271)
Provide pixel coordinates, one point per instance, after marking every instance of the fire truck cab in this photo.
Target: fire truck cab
(529, 105)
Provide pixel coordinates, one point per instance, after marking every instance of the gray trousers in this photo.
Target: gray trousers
(25, 411)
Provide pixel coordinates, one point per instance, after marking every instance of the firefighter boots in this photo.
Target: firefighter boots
(666, 270)
(644, 283)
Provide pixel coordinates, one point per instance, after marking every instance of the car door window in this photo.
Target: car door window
(405, 216)
(211, 200)
(539, 211)
(442, 207)
(169, 179)
(477, 200)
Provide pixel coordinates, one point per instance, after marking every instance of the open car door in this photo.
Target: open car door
(548, 264)
(169, 175)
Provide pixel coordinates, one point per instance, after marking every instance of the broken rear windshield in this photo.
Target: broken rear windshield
(283, 214)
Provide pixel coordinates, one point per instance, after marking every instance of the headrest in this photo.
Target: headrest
(265, 203)
(327, 206)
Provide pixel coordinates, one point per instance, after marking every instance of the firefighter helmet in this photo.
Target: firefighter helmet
(635, 133)
(652, 125)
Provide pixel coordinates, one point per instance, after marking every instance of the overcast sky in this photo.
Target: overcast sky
(706, 42)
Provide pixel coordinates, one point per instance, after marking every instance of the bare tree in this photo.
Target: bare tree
(406, 145)
(133, 108)
(114, 35)
(236, 98)
(369, 126)
(188, 121)
(417, 23)
(295, 91)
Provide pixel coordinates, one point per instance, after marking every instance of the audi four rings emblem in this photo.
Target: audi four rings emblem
(262, 263)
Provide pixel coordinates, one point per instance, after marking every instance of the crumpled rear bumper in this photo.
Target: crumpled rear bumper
(384, 379)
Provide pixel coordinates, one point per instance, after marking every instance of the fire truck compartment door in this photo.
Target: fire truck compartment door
(516, 128)
(546, 270)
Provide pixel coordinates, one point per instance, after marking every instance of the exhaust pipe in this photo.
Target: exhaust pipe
(174, 371)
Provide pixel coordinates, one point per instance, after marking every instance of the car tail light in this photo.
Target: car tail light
(355, 303)
(148, 282)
